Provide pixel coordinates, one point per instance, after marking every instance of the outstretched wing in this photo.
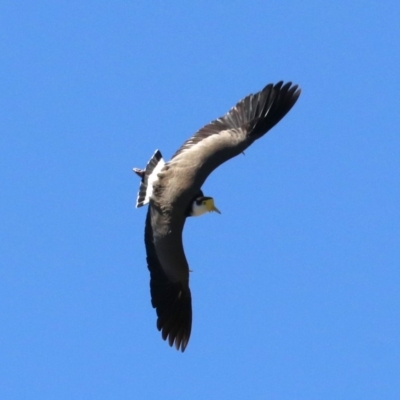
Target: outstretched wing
(227, 137)
(169, 279)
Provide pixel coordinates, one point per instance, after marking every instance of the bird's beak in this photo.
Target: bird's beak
(215, 209)
(211, 206)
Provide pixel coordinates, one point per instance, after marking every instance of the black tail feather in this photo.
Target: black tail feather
(144, 174)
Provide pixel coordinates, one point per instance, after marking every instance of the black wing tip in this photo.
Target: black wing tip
(273, 103)
(179, 339)
(282, 84)
(293, 89)
(288, 87)
(172, 300)
(174, 311)
(289, 94)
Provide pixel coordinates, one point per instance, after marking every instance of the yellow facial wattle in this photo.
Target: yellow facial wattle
(209, 203)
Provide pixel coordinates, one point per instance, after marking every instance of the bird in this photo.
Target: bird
(173, 193)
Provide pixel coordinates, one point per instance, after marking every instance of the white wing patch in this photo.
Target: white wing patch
(152, 179)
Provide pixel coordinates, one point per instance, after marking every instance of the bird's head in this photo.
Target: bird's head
(202, 205)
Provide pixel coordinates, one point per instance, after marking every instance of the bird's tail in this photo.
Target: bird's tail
(149, 176)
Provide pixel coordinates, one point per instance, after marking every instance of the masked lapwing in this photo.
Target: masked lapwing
(173, 192)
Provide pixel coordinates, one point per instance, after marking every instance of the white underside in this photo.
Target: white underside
(152, 179)
(198, 210)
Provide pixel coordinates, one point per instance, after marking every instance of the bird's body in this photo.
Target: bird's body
(173, 192)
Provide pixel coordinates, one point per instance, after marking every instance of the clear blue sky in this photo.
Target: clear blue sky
(296, 286)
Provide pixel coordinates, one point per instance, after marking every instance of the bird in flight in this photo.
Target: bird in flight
(173, 192)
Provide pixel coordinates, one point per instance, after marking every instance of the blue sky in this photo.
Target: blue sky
(295, 286)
